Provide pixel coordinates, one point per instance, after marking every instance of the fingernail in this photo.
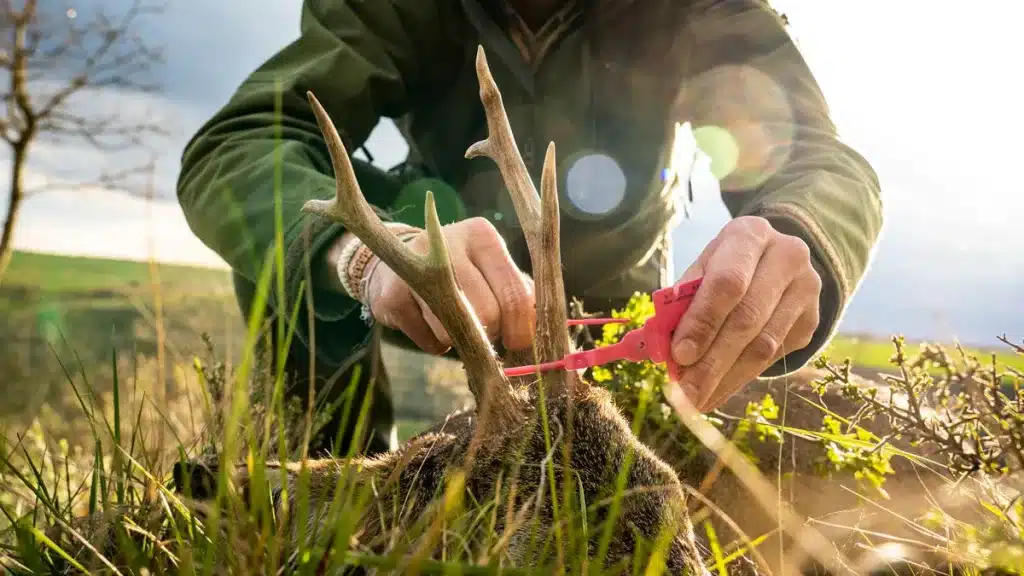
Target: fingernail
(685, 352)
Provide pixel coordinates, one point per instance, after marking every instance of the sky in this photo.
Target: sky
(928, 96)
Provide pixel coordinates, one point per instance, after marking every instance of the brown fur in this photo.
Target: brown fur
(410, 481)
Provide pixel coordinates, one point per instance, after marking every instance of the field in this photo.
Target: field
(75, 330)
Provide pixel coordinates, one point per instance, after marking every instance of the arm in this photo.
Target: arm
(363, 60)
(749, 81)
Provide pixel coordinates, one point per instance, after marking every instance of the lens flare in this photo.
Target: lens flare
(595, 184)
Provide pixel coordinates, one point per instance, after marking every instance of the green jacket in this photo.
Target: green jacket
(611, 77)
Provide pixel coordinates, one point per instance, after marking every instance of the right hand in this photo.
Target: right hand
(501, 295)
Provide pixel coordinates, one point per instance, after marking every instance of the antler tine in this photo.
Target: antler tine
(539, 218)
(430, 275)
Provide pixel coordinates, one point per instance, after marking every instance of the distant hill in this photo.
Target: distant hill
(53, 273)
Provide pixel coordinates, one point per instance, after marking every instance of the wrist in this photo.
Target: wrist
(353, 263)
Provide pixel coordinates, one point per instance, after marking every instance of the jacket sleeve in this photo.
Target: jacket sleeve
(247, 172)
(759, 113)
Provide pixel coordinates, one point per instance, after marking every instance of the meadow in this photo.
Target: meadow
(132, 347)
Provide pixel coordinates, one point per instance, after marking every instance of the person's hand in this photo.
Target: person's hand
(501, 295)
(758, 302)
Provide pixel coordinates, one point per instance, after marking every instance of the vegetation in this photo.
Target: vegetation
(48, 481)
(49, 475)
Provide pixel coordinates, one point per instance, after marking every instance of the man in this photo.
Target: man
(603, 79)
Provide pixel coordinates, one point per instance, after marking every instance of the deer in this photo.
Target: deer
(526, 436)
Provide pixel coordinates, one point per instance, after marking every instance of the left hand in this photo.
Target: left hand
(758, 302)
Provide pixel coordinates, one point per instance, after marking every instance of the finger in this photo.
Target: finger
(432, 322)
(512, 290)
(790, 328)
(749, 317)
(727, 275)
(767, 347)
(802, 333)
(405, 313)
(696, 270)
(478, 292)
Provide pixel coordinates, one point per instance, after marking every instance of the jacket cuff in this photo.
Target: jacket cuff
(305, 259)
(836, 288)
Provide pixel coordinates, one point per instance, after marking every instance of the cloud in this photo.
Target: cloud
(101, 223)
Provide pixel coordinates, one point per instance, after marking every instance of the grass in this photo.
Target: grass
(120, 461)
(160, 533)
(868, 353)
(75, 274)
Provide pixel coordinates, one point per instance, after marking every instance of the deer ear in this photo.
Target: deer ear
(195, 479)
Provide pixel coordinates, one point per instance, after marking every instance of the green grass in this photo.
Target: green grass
(875, 354)
(128, 481)
(55, 273)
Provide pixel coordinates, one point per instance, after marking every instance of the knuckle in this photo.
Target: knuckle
(515, 298)
(796, 247)
(764, 347)
(745, 316)
(804, 340)
(816, 278)
(480, 229)
(815, 283)
(702, 327)
(757, 227)
(807, 328)
(730, 284)
(702, 370)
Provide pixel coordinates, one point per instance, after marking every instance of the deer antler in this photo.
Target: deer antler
(430, 275)
(539, 218)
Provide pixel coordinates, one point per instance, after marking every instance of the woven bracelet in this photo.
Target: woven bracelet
(357, 258)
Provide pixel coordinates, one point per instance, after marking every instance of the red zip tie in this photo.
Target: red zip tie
(596, 321)
(531, 368)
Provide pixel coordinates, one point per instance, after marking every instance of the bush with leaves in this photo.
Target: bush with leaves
(636, 384)
(969, 411)
(977, 431)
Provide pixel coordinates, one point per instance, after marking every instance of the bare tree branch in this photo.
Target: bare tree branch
(54, 57)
